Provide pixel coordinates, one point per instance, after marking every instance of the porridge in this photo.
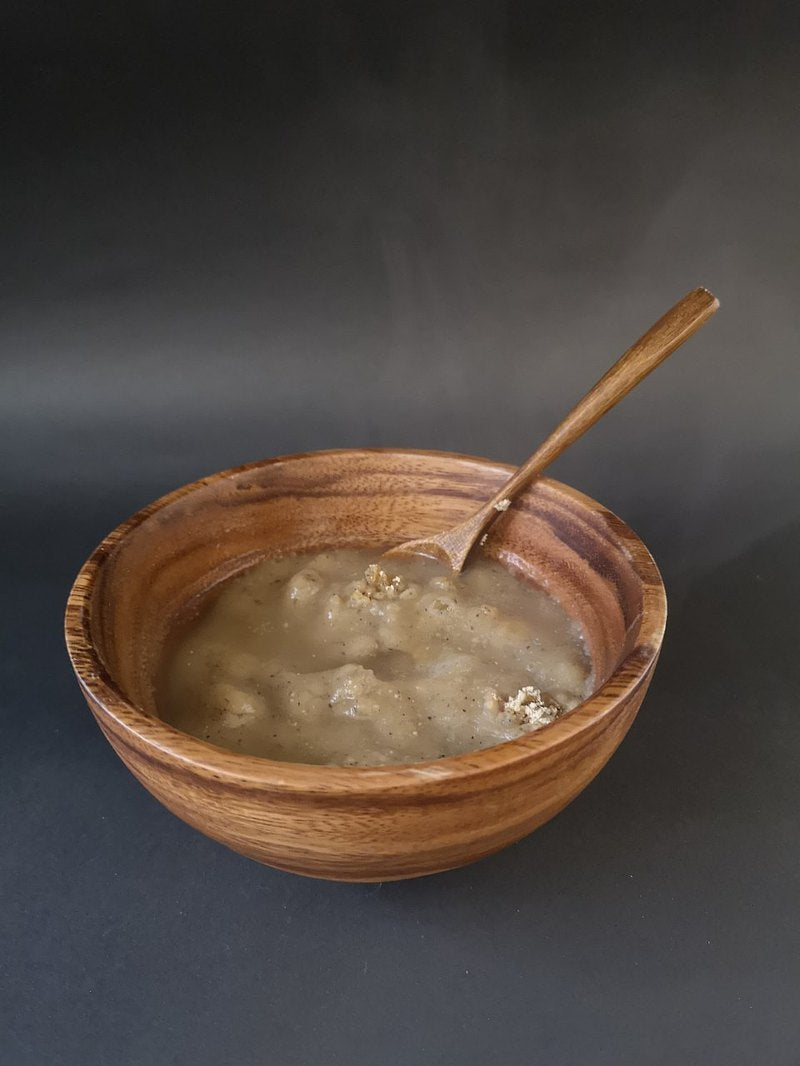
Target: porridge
(336, 659)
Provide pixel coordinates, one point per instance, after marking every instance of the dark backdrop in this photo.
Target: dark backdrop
(234, 231)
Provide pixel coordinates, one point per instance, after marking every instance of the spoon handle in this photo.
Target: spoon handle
(453, 545)
(652, 348)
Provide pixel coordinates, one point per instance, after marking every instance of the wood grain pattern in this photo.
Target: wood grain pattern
(360, 824)
(452, 546)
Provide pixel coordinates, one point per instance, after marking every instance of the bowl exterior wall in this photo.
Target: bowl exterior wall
(439, 825)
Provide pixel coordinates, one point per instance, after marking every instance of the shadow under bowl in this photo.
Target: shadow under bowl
(374, 823)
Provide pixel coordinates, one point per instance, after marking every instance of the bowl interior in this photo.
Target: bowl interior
(146, 574)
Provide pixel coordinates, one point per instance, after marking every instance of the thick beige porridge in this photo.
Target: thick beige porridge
(337, 659)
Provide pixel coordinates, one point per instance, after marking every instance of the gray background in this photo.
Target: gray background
(231, 232)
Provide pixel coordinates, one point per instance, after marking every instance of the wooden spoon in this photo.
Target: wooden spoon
(452, 546)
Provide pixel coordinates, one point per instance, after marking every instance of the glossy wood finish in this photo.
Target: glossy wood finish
(452, 546)
(360, 824)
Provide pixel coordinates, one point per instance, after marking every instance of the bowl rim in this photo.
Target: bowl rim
(144, 731)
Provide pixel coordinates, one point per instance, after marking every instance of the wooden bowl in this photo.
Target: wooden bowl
(386, 822)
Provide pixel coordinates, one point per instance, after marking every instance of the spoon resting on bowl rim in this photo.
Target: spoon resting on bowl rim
(452, 546)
